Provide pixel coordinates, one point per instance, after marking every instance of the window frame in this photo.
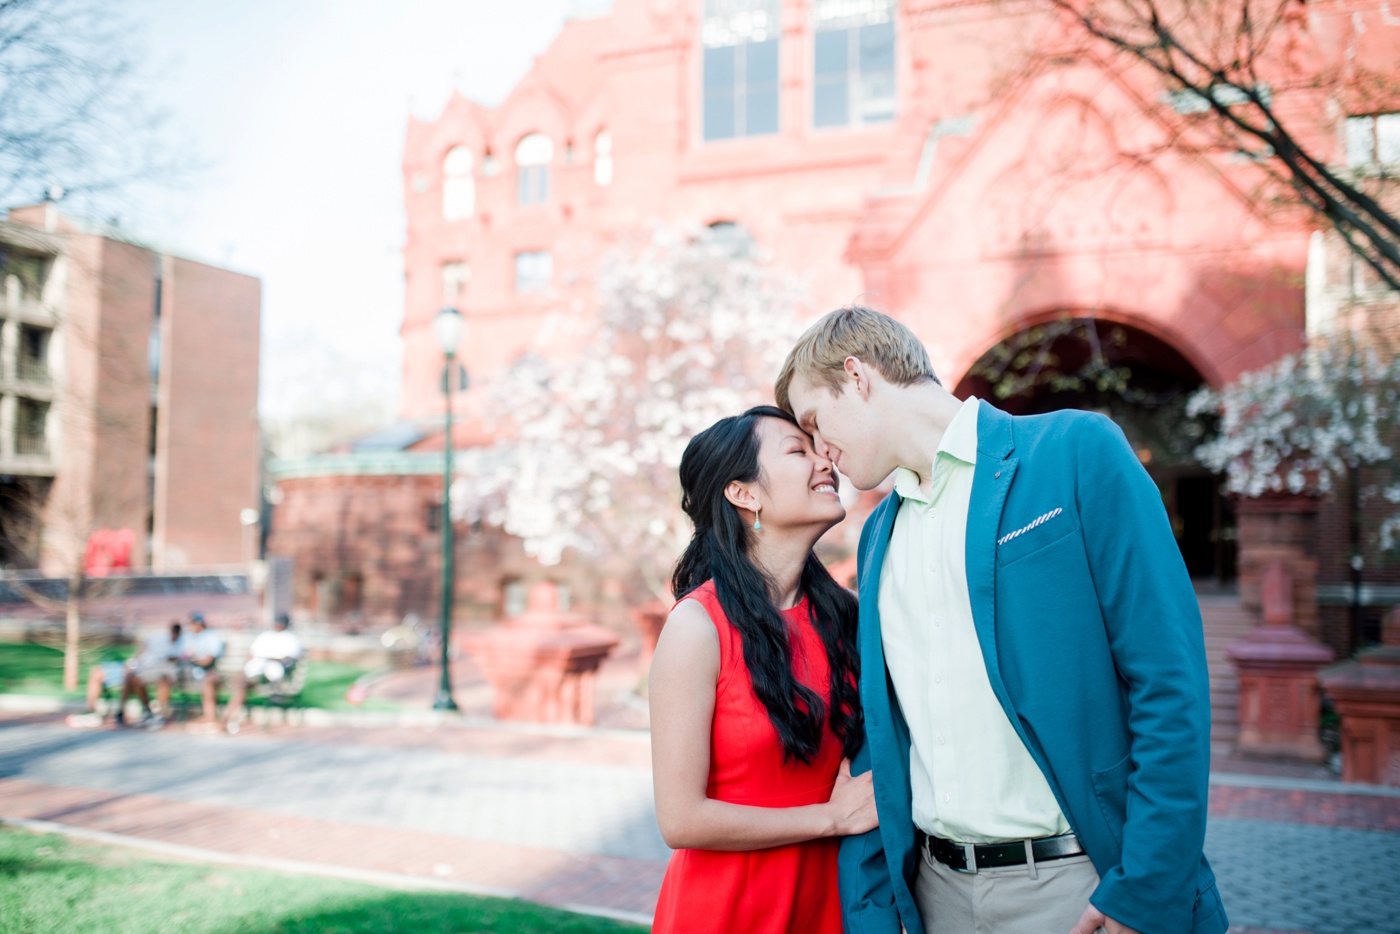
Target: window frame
(853, 74)
(533, 284)
(741, 91)
(532, 177)
(460, 182)
(1373, 124)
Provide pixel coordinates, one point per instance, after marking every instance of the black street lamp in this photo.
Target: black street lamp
(447, 328)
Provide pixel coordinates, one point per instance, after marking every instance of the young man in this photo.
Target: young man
(203, 649)
(157, 664)
(1032, 662)
(271, 658)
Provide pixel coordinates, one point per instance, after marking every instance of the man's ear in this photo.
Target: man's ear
(859, 375)
(741, 495)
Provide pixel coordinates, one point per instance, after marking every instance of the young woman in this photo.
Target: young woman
(754, 707)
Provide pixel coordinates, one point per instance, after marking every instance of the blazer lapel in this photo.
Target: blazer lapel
(874, 692)
(991, 481)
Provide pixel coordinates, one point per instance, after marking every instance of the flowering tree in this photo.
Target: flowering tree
(1306, 421)
(691, 328)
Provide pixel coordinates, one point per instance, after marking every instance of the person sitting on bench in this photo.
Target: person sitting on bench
(157, 662)
(271, 659)
(203, 649)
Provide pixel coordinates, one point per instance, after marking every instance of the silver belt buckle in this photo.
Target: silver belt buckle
(970, 857)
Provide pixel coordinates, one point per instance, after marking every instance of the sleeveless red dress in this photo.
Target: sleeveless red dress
(783, 889)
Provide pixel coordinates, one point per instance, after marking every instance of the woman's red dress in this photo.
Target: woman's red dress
(783, 889)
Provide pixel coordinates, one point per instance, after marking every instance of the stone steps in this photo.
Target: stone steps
(1225, 623)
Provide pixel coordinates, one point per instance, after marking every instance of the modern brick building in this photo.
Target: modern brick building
(128, 402)
(893, 152)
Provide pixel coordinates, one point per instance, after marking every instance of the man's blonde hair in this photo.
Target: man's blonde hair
(854, 331)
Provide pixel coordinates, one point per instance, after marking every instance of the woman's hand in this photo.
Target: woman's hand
(853, 802)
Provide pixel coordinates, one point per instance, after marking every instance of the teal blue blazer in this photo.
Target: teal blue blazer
(1092, 638)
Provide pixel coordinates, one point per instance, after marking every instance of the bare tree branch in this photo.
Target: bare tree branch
(1190, 52)
(74, 112)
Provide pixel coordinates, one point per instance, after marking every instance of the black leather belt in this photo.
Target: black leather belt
(991, 855)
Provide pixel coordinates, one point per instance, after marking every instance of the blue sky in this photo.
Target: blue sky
(296, 109)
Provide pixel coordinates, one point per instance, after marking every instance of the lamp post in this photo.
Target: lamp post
(447, 328)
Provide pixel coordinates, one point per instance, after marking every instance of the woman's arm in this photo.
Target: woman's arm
(684, 673)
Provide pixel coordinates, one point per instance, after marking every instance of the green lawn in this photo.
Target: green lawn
(51, 884)
(38, 669)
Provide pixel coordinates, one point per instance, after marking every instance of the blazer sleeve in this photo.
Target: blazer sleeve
(1153, 625)
(863, 873)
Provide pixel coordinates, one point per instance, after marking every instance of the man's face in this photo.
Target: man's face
(841, 429)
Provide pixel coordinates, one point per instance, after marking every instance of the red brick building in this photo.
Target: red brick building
(128, 420)
(893, 152)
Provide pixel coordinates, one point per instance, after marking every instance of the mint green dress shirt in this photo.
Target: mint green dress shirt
(972, 779)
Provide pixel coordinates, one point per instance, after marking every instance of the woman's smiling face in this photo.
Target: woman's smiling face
(798, 487)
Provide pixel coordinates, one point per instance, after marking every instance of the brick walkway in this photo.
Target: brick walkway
(567, 819)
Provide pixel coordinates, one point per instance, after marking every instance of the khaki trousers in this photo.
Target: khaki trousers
(1005, 900)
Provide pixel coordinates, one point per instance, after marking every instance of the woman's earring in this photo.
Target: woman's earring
(756, 524)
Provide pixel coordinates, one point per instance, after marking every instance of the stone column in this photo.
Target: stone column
(1277, 664)
(1279, 528)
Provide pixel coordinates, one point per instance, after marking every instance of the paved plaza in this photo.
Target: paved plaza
(565, 817)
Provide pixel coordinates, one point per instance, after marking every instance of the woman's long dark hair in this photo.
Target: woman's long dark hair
(719, 551)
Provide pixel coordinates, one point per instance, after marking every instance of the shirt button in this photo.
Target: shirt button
(938, 621)
(947, 797)
(941, 740)
(937, 679)
(932, 513)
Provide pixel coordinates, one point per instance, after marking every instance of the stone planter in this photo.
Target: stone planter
(1279, 528)
(542, 666)
(1277, 665)
(1366, 693)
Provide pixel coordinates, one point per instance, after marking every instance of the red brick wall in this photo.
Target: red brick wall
(120, 489)
(372, 534)
(967, 240)
(207, 437)
(102, 398)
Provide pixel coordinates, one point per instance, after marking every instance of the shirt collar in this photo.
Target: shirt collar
(959, 442)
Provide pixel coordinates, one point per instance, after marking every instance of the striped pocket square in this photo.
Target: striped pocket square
(1029, 526)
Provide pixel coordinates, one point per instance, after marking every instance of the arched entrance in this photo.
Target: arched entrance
(1142, 383)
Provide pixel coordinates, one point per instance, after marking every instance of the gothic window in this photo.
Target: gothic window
(532, 157)
(458, 189)
(1373, 140)
(454, 280)
(602, 159)
(853, 62)
(533, 271)
(740, 81)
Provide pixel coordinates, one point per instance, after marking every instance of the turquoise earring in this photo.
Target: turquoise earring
(756, 524)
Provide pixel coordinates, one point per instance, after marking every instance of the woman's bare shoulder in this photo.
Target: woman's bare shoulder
(688, 636)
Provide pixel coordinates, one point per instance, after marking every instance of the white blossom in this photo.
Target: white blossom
(1306, 421)
(685, 332)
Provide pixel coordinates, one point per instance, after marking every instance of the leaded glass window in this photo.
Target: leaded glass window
(740, 81)
(853, 62)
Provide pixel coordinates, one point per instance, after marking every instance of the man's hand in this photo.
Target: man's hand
(1093, 919)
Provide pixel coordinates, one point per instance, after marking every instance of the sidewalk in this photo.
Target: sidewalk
(562, 820)
(565, 816)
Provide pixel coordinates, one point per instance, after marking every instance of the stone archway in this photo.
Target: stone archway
(1141, 381)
